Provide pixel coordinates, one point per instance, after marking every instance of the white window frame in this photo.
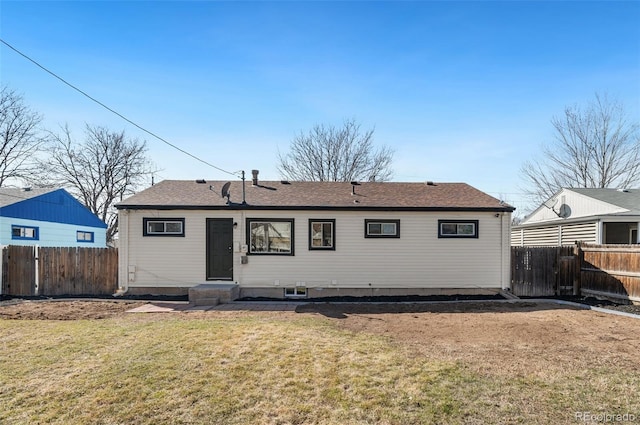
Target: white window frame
(295, 292)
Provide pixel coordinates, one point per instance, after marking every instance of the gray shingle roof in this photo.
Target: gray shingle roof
(172, 194)
(9, 196)
(628, 199)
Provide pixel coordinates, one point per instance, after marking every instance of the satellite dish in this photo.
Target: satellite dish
(225, 190)
(565, 211)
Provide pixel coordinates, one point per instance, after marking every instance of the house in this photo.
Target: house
(601, 216)
(314, 239)
(47, 217)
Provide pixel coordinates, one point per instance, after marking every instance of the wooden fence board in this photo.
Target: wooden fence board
(18, 270)
(608, 271)
(61, 271)
(611, 270)
(542, 271)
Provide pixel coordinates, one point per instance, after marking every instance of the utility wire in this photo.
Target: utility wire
(113, 111)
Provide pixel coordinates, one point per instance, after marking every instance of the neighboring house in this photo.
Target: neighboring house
(47, 217)
(601, 216)
(296, 239)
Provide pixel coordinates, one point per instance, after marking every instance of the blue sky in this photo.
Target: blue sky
(462, 91)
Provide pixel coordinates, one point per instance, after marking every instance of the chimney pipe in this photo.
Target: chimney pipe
(254, 180)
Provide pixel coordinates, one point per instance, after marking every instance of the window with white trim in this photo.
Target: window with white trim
(163, 226)
(322, 234)
(457, 228)
(270, 236)
(381, 228)
(25, 232)
(297, 291)
(83, 236)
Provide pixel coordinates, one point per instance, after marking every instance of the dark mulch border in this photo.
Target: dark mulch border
(101, 297)
(381, 299)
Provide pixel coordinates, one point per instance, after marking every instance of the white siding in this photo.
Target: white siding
(417, 259)
(585, 232)
(580, 205)
(554, 235)
(517, 236)
(538, 236)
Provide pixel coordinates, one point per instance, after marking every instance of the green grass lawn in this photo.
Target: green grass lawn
(264, 369)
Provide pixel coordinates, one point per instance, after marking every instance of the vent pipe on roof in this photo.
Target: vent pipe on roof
(244, 192)
(254, 180)
(353, 187)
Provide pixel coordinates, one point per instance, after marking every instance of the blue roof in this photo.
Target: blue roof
(53, 205)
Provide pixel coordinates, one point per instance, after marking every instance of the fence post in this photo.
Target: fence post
(577, 261)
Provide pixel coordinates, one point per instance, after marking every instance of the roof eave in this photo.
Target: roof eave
(308, 207)
(576, 220)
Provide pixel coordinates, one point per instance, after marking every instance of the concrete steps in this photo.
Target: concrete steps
(213, 294)
(205, 302)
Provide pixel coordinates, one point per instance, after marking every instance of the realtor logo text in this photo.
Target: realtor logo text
(606, 417)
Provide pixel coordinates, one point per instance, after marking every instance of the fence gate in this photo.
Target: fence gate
(542, 271)
(19, 271)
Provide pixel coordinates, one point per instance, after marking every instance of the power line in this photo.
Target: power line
(114, 111)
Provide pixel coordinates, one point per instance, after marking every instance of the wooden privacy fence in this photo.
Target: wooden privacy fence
(543, 271)
(32, 271)
(609, 271)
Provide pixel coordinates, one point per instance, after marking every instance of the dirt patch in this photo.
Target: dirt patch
(519, 339)
(510, 338)
(64, 310)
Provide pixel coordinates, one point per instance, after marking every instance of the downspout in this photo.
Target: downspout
(600, 232)
(505, 233)
(243, 239)
(123, 253)
(1, 266)
(36, 251)
(126, 281)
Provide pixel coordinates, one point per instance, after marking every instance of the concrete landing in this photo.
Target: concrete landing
(159, 307)
(213, 293)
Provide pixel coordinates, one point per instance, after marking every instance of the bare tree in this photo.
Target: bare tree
(19, 138)
(328, 153)
(100, 171)
(594, 147)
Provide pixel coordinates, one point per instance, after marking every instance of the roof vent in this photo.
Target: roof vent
(353, 187)
(254, 177)
(201, 181)
(26, 189)
(430, 183)
(285, 182)
(623, 190)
